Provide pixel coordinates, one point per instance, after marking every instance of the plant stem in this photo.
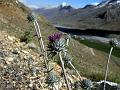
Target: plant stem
(40, 40)
(75, 70)
(63, 69)
(107, 67)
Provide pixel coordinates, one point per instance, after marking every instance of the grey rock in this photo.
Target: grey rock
(1, 54)
(15, 51)
(31, 46)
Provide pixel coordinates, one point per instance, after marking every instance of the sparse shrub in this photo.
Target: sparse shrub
(96, 76)
(114, 78)
(100, 76)
(27, 37)
(31, 18)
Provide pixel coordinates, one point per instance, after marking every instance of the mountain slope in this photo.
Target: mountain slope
(13, 19)
(91, 62)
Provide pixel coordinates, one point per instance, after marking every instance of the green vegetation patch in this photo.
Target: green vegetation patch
(101, 47)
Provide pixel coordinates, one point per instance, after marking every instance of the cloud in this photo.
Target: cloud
(33, 6)
(21, 1)
(95, 3)
(28, 5)
(50, 6)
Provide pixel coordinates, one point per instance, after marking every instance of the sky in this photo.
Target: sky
(53, 3)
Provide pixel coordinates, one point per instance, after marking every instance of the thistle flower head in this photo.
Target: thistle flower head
(86, 84)
(56, 46)
(55, 37)
(113, 42)
(52, 78)
(31, 17)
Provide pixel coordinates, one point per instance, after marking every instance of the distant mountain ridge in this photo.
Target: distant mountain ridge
(51, 13)
(89, 6)
(105, 15)
(108, 2)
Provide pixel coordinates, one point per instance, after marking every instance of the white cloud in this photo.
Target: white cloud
(51, 6)
(21, 1)
(95, 3)
(28, 5)
(33, 6)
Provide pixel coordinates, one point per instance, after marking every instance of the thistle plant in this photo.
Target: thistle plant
(33, 71)
(55, 37)
(51, 79)
(33, 18)
(85, 84)
(113, 44)
(68, 60)
(57, 45)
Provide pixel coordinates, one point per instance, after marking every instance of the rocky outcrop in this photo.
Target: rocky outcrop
(113, 13)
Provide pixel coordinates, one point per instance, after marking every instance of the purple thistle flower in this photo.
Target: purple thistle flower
(55, 37)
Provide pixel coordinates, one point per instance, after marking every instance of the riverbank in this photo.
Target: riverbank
(97, 39)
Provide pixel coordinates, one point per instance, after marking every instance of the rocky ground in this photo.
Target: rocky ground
(20, 67)
(23, 69)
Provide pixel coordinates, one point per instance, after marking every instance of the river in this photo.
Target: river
(90, 34)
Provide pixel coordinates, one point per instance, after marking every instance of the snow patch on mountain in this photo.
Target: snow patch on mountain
(108, 2)
(118, 1)
(95, 3)
(103, 3)
(64, 4)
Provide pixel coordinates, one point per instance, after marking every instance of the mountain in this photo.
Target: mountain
(109, 2)
(103, 16)
(89, 6)
(51, 13)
